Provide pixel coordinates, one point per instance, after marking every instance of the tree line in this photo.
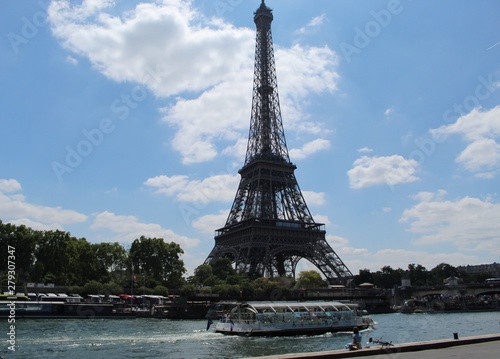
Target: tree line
(57, 257)
(154, 266)
(418, 275)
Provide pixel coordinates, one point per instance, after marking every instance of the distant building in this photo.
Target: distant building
(452, 281)
(491, 269)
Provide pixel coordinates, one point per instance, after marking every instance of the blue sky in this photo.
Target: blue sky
(126, 118)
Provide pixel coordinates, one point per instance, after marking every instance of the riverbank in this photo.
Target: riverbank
(484, 346)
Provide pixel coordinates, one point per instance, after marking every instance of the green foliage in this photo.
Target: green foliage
(212, 281)
(364, 276)
(57, 251)
(441, 272)
(418, 274)
(75, 289)
(205, 290)
(222, 268)
(24, 240)
(274, 288)
(235, 279)
(112, 288)
(142, 290)
(160, 290)
(310, 279)
(57, 257)
(227, 291)
(388, 277)
(158, 260)
(92, 287)
(188, 290)
(247, 289)
(202, 273)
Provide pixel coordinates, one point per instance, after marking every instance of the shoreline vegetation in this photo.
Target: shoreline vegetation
(153, 267)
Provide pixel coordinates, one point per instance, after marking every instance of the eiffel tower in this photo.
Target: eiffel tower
(269, 228)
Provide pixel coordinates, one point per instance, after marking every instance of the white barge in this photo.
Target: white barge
(292, 318)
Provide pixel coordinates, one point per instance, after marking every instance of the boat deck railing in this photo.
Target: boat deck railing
(268, 318)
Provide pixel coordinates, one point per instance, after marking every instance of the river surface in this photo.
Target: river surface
(189, 339)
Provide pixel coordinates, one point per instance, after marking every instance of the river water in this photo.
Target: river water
(189, 339)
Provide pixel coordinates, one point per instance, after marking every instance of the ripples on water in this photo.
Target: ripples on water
(188, 339)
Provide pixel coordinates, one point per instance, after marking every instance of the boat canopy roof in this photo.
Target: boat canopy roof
(261, 307)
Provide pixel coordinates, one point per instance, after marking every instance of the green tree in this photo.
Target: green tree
(201, 274)
(442, 271)
(392, 277)
(227, 291)
(222, 268)
(111, 257)
(92, 287)
(158, 260)
(418, 274)
(247, 288)
(188, 290)
(58, 255)
(161, 290)
(112, 288)
(23, 240)
(364, 276)
(86, 267)
(309, 279)
(212, 281)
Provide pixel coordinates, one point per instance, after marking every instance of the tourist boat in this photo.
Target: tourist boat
(291, 318)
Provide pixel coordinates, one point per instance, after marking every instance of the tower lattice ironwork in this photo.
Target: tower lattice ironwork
(270, 228)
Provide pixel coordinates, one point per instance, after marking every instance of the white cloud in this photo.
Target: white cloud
(389, 111)
(340, 243)
(309, 148)
(467, 223)
(315, 23)
(475, 125)
(9, 185)
(320, 218)
(365, 150)
(375, 171)
(302, 71)
(170, 48)
(207, 224)
(429, 196)
(15, 209)
(220, 114)
(215, 188)
(363, 258)
(71, 60)
(166, 46)
(481, 130)
(481, 154)
(314, 198)
(126, 229)
(237, 151)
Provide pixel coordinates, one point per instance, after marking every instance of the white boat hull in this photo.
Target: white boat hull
(285, 329)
